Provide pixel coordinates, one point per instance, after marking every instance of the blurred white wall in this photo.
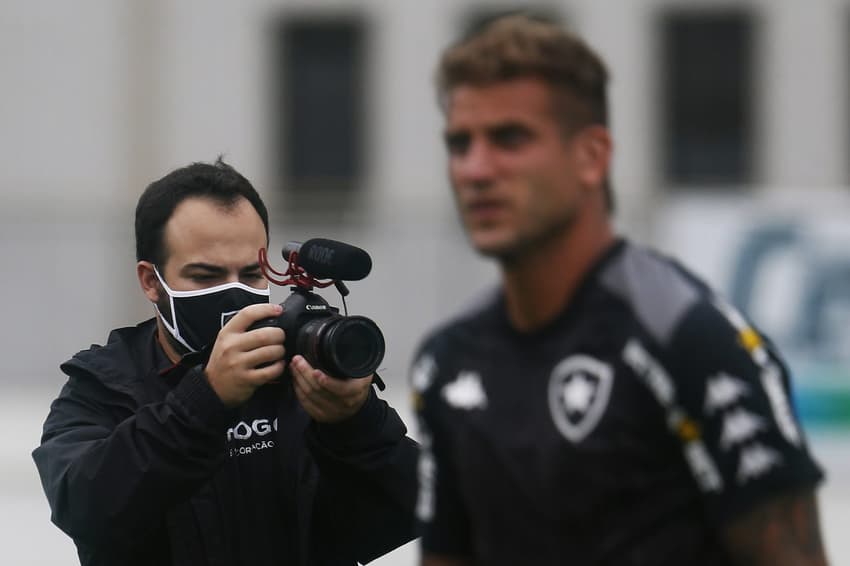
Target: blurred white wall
(100, 97)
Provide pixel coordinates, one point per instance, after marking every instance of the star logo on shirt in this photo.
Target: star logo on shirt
(579, 388)
(578, 393)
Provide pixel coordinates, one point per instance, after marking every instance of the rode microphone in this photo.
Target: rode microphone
(328, 259)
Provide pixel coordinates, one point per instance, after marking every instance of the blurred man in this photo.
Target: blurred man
(603, 406)
(149, 459)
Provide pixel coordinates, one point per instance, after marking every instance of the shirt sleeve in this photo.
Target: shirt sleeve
(440, 511)
(727, 398)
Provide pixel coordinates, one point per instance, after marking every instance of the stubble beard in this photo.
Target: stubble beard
(511, 254)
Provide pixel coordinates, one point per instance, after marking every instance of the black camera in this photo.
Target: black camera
(342, 346)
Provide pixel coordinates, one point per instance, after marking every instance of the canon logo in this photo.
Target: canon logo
(317, 307)
(244, 431)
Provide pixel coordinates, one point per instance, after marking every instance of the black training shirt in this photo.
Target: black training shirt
(627, 432)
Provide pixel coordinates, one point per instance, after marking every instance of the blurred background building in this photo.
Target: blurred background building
(730, 121)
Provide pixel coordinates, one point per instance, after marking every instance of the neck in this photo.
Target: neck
(539, 285)
(165, 341)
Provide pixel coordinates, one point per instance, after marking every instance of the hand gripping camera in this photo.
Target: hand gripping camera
(342, 346)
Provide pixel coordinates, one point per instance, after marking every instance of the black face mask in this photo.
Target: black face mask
(197, 316)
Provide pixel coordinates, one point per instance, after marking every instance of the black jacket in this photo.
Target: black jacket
(145, 467)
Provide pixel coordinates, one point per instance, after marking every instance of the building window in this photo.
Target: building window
(707, 98)
(320, 101)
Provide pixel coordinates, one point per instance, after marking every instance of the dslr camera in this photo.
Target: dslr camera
(343, 346)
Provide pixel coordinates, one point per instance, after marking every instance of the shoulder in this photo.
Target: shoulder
(657, 289)
(687, 321)
(471, 323)
(121, 360)
(442, 343)
(683, 321)
(687, 330)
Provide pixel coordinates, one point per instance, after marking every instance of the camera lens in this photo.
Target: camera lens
(350, 346)
(356, 346)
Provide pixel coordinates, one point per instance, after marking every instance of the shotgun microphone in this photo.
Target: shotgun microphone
(328, 259)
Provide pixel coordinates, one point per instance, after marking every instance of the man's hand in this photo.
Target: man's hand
(326, 399)
(233, 368)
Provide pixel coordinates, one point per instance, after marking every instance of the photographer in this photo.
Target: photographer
(150, 456)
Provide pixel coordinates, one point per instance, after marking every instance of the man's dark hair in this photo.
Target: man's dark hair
(217, 181)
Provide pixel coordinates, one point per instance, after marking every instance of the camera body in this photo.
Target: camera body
(341, 346)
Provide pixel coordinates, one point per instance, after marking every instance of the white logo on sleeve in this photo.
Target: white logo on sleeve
(702, 466)
(653, 374)
(756, 460)
(579, 389)
(739, 426)
(422, 374)
(772, 381)
(427, 471)
(723, 391)
(466, 391)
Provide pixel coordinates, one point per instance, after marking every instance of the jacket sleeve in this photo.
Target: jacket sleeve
(367, 484)
(111, 469)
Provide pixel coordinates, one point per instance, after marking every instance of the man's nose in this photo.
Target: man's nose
(476, 167)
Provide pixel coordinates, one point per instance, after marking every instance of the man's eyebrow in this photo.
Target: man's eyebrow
(250, 268)
(507, 125)
(201, 266)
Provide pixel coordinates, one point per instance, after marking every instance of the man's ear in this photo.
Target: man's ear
(594, 155)
(148, 280)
